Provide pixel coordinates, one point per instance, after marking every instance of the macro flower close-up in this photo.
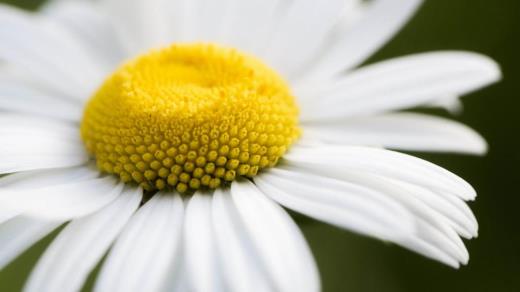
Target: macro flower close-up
(176, 145)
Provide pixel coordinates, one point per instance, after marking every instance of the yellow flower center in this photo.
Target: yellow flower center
(190, 116)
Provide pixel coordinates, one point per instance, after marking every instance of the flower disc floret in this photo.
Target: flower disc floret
(190, 116)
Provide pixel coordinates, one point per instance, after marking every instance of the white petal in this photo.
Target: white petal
(241, 266)
(445, 203)
(64, 201)
(38, 142)
(219, 21)
(199, 240)
(179, 282)
(437, 213)
(343, 204)
(91, 26)
(191, 19)
(47, 52)
(20, 233)
(249, 29)
(301, 32)
(432, 227)
(381, 162)
(29, 143)
(401, 83)
(277, 239)
(147, 250)
(431, 233)
(205, 20)
(6, 214)
(81, 245)
(455, 211)
(142, 25)
(381, 20)
(422, 246)
(401, 131)
(31, 162)
(32, 180)
(21, 123)
(21, 98)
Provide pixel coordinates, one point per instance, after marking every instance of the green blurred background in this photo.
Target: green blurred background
(351, 263)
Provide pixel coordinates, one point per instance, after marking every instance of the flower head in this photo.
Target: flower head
(211, 116)
(190, 116)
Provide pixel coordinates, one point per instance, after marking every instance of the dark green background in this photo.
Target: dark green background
(352, 263)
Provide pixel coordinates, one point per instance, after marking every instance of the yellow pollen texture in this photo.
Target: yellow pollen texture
(190, 116)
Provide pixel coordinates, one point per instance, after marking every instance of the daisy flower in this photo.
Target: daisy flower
(166, 138)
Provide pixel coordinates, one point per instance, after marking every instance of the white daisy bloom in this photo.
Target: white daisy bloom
(177, 165)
